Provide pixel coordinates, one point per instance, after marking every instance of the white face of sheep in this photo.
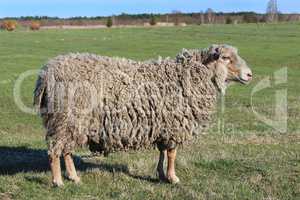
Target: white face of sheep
(229, 66)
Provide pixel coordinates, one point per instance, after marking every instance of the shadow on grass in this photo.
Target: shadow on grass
(15, 160)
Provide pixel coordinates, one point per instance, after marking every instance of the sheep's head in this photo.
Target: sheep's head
(228, 66)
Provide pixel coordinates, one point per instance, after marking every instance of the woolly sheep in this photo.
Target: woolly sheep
(115, 104)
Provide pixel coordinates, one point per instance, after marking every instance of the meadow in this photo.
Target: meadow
(241, 157)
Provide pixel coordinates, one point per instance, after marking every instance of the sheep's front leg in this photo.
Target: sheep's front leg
(56, 170)
(171, 166)
(70, 167)
(160, 166)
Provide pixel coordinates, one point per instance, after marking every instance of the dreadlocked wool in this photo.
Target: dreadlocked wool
(115, 104)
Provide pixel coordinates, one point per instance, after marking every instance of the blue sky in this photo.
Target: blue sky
(68, 8)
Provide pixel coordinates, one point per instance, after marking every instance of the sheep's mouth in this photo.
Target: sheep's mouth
(237, 79)
(243, 81)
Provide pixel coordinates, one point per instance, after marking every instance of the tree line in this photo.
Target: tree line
(176, 17)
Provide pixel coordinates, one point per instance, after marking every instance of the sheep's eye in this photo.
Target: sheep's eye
(226, 58)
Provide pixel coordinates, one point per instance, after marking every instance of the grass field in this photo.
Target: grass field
(246, 159)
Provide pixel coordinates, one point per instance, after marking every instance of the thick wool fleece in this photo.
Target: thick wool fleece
(135, 105)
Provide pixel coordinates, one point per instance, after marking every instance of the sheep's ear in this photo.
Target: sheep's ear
(215, 52)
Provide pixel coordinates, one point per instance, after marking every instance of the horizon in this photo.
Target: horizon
(94, 8)
(132, 14)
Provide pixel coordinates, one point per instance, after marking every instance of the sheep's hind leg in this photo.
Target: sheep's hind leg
(70, 167)
(56, 170)
(160, 166)
(171, 166)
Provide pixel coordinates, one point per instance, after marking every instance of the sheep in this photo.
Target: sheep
(117, 104)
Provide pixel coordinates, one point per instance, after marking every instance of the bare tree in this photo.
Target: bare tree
(202, 18)
(210, 16)
(177, 17)
(272, 11)
(114, 19)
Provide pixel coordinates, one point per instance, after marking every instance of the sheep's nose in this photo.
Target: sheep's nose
(249, 76)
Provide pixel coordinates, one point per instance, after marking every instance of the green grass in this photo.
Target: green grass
(245, 159)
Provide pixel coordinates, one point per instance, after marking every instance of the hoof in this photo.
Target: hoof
(161, 176)
(173, 179)
(57, 183)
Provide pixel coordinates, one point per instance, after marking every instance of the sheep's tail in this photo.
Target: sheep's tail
(39, 100)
